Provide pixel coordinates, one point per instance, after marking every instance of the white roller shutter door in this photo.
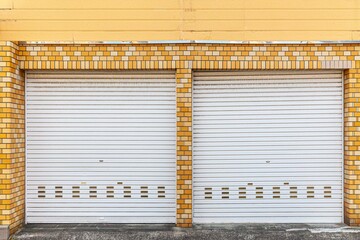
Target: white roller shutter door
(268, 147)
(101, 147)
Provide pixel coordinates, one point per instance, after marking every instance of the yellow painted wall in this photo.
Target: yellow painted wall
(136, 20)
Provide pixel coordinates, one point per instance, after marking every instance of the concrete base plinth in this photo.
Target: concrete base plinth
(4, 232)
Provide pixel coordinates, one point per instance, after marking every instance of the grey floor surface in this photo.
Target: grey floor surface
(205, 232)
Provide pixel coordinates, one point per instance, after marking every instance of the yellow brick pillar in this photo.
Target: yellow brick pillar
(184, 148)
(12, 141)
(352, 147)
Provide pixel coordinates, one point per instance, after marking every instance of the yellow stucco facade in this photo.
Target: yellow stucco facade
(158, 20)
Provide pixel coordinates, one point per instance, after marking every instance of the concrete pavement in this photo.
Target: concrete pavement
(198, 232)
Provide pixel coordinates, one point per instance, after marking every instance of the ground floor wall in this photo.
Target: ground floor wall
(12, 140)
(184, 59)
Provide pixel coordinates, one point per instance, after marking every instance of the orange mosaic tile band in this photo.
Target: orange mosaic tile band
(185, 58)
(193, 56)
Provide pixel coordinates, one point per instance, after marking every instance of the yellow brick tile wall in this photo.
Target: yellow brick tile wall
(185, 58)
(352, 146)
(184, 148)
(12, 138)
(189, 56)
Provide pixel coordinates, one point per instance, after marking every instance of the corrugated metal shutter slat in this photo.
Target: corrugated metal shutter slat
(267, 146)
(101, 147)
